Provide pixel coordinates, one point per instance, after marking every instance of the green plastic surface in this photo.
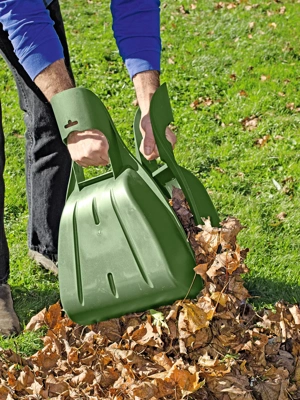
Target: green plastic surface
(172, 174)
(121, 247)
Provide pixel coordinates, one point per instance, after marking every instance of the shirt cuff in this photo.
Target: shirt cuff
(136, 65)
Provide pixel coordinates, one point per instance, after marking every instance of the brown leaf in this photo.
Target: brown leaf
(164, 388)
(147, 335)
(17, 135)
(53, 315)
(262, 141)
(274, 388)
(144, 390)
(46, 358)
(290, 106)
(235, 386)
(201, 269)
(110, 329)
(181, 377)
(230, 229)
(295, 311)
(36, 388)
(250, 123)
(206, 360)
(297, 372)
(201, 101)
(86, 376)
(200, 339)
(283, 359)
(220, 170)
(226, 5)
(56, 388)
(243, 93)
(191, 319)
(37, 321)
(183, 10)
(282, 10)
(207, 102)
(195, 104)
(163, 360)
(26, 377)
(220, 298)
(281, 216)
(4, 392)
(109, 376)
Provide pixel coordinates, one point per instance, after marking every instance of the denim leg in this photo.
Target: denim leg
(47, 174)
(48, 161)
(4, 255)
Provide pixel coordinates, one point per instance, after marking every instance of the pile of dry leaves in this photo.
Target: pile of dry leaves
(213, 347)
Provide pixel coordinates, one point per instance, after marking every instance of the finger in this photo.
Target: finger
(148, 144)
(93, 161)
(81, 164)
(154, 155)
(171, 137)
(104, 161)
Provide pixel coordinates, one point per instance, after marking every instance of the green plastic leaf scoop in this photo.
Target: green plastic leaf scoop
(121, 247)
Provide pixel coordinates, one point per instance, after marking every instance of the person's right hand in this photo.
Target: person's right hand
(88, 148)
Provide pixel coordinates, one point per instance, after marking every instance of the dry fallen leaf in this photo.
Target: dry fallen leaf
(250, 123)
(281, 216)
(243, 93)
(264, 77)
(262, 141)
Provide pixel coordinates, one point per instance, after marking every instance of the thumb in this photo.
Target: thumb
(148, 144)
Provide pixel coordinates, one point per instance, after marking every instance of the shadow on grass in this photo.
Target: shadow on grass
(268, 292)
(264, 292)
(29, 302)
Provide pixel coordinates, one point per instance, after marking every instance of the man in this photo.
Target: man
(33, 43)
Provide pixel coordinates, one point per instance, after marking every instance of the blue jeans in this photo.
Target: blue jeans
(48, 161)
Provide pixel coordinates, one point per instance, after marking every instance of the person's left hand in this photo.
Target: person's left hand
(148, 146)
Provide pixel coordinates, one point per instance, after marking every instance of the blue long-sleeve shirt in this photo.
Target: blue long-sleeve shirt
(35, 42)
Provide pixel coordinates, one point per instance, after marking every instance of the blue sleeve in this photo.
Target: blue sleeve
(136, 25)
(31, 33)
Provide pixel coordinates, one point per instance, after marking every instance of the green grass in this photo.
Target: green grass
(208, 53)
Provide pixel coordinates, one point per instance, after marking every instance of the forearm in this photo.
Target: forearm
(31, 33)
(54, 79)
(145, 84)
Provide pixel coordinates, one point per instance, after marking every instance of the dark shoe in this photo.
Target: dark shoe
(9, 322)
(43, 261)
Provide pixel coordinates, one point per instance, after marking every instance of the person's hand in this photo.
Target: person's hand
(148, 146)
(145, 84)
(88, 148)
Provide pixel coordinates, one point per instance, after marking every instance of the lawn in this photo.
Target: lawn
(233, 78)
